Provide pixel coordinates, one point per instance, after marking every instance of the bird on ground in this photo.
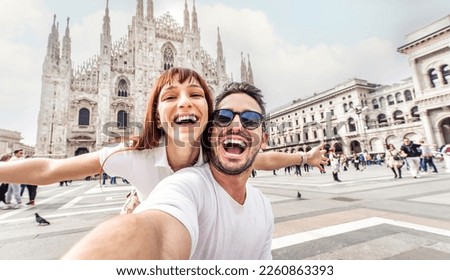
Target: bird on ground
(41, 220)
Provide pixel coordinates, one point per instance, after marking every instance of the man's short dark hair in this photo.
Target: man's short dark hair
(18, 150)
(250, 90)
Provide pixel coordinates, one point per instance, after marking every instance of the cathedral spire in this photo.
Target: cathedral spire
(249, 72)
(219, 46)
(194, 20)
(106, 22)
(186, 26)
(140, 9)
(66, 45)
(150, 10)
(243, 69)
(53, 43)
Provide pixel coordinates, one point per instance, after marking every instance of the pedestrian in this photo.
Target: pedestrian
(356, 160)
(412, 153)
(4, 186)
(426, 158)
(394, 160)
(335, 164)
(113, 180)
(203, 212)
(14, 188)
(179, 108)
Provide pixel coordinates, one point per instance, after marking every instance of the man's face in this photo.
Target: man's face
(235, 147)
(19, 154)
(406, 141)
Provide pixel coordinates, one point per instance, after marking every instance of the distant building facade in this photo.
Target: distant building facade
(11, 141)
(357, 115)
(105, 97)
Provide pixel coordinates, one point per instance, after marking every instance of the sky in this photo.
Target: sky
(296, 47)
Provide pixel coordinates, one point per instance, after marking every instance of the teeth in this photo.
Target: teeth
(192, 118)
(235, 142)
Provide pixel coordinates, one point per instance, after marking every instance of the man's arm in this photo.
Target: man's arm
(275, 160)
(150, 234)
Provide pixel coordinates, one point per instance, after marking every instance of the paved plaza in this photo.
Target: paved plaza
(369, 215)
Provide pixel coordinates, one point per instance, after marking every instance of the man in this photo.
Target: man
(207, 212)
(412, 153)
(427, 157)
(14, 189)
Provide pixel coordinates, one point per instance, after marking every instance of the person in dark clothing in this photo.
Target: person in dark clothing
(412, 153)
(32, 190)
(4, 186)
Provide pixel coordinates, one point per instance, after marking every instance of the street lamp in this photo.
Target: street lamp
(359, 109)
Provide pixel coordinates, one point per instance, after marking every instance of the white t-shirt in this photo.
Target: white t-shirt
(144, 169)
(220, 228)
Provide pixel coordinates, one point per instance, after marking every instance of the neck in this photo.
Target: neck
(234, 185)
(182, 156)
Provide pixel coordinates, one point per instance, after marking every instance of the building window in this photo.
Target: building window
(351, 125)
(398, 117)
(335, 131)
(122, 89)
(345, 107)
(305, 136)
(315, 134)
(415, 113)
(408, 95)
(398, 97)
(432, 75)
(375, 104)
(445, 71)
(390, 99)
(83, 116)
(382, 120)
(168, 58)
(122, 119)
(382, 102)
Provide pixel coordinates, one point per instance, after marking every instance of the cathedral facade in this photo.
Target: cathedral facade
(105, 98)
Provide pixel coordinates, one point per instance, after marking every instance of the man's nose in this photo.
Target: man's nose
(236, 124)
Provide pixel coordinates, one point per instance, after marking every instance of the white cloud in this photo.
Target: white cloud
(285, 72)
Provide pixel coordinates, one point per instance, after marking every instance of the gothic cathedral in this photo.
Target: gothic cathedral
(82, 109)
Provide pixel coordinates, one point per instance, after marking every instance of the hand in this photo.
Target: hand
(316, 157)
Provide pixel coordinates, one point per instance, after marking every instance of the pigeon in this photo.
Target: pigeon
(41, 220)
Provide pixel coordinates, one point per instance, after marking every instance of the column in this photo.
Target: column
(430, 137)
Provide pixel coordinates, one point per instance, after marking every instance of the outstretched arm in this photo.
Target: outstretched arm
(276, 160)
(42, 171)
(147, 235)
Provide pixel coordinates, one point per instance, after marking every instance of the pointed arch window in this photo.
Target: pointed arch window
(345, 107)
(83, 116)
(382, 102)
(122, 89)
(168, 58)
(445, 71)
(122, 119)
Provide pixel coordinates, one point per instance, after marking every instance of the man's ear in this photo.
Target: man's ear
(264, 140)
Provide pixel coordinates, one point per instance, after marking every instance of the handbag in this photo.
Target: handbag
(397, 157)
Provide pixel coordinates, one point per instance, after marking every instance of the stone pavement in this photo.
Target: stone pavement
(370, 215)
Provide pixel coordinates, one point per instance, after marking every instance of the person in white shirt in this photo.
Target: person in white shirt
(208, 212)
(168, 142)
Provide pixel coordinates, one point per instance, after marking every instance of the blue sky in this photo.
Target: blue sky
(296, 47)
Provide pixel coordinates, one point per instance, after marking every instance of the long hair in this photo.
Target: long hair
(151, 134)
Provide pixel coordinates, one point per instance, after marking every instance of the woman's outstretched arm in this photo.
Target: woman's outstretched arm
(43, 171)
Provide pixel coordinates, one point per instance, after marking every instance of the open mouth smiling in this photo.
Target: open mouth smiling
(185, 119)
(234, 146)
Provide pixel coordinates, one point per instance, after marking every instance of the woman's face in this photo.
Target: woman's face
(182, 111)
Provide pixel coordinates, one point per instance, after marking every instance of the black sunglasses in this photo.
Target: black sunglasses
(249, 119)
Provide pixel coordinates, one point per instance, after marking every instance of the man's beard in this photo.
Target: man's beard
(218, 165)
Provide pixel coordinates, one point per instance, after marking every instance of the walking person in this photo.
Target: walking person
(394, 161)
(4, 186)
(14, 188)
(427, 157)
(335, 164)
(412, 153)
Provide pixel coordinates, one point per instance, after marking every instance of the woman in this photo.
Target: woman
(178, 110)
(335, 164)
(394, 160)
